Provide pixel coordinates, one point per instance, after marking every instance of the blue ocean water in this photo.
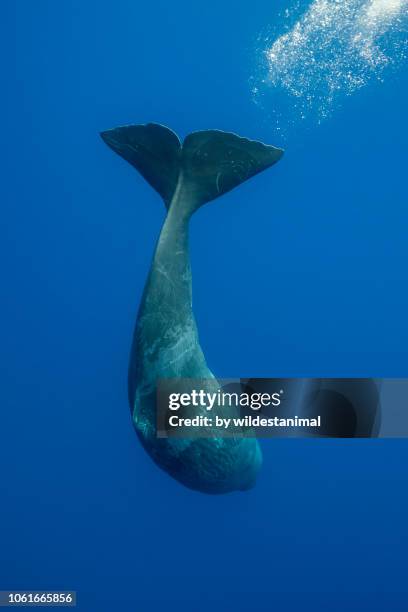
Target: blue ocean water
(300, 271)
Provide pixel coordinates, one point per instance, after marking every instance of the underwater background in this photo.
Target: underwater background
(301, 271)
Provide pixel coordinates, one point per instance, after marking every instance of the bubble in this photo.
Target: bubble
(333, 49)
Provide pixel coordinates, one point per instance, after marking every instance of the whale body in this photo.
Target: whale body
(166, 344)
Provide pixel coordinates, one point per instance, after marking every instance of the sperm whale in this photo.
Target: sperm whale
(165, 343)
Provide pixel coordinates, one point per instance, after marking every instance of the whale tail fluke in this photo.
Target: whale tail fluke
(153, 150)
(207, 165)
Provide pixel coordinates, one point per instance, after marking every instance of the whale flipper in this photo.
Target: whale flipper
(206, 165)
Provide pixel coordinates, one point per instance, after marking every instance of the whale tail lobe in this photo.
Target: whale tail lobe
(206, 165)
